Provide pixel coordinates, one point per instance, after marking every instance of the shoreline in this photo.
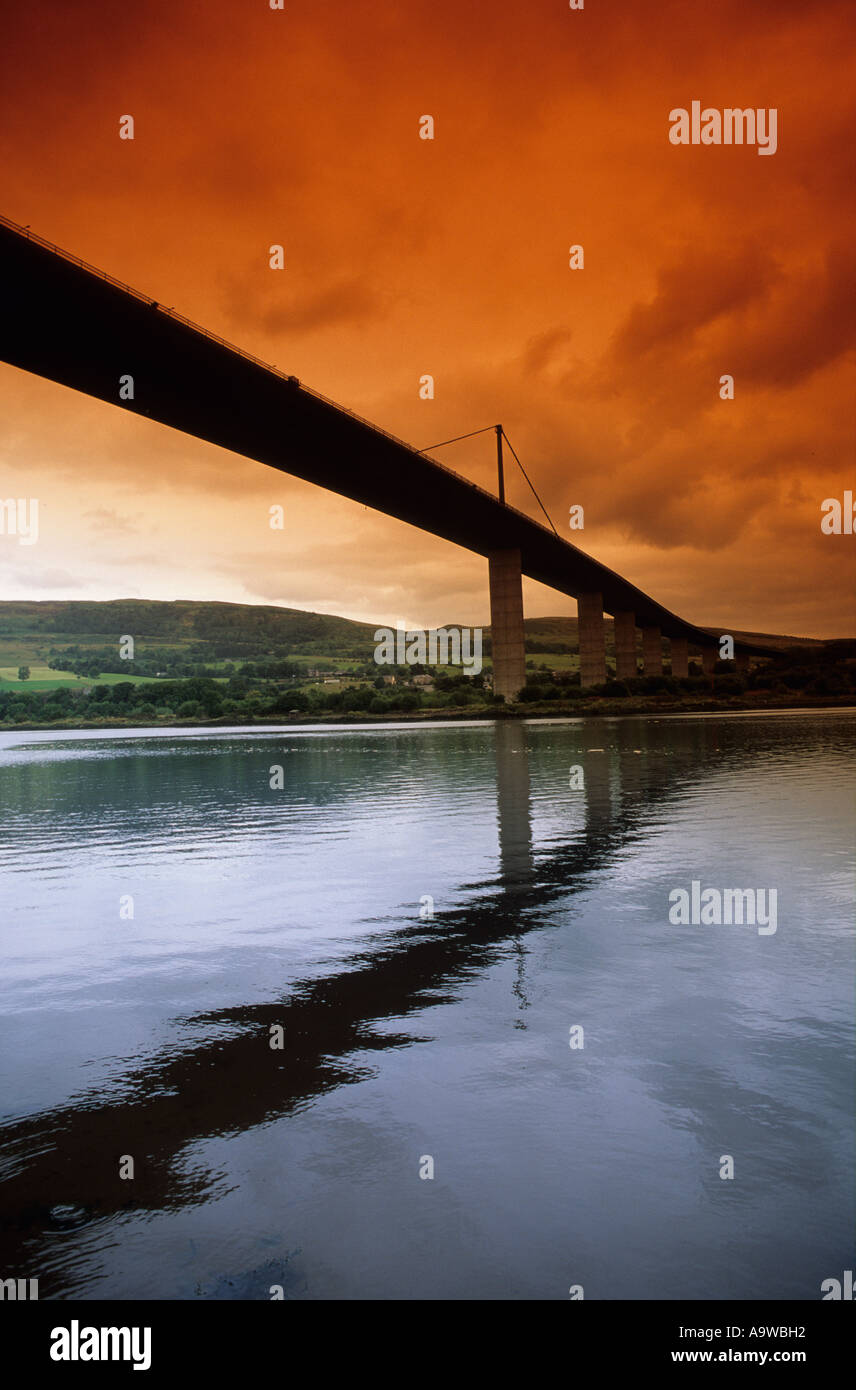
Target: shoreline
(598, 707)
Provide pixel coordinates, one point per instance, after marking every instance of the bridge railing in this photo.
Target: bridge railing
(232, 347)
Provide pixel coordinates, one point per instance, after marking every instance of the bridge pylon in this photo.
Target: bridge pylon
(652, 650)
(626, 660)
(592, 639)
(508, 641)
(680, 656)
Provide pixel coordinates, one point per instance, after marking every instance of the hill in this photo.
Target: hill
(62, 641)
(549, 632)
(70, 664)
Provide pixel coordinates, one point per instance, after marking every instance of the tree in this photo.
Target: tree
(288, 700)
(23, 673)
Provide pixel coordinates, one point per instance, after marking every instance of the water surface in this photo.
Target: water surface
(426, 912)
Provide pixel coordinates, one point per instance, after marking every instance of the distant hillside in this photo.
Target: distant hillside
(181, 621)
(551, 630)
(226, 631)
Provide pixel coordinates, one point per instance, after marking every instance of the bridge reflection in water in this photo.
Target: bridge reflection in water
(222, 1079)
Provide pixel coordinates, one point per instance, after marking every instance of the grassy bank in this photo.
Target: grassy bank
(593, 707)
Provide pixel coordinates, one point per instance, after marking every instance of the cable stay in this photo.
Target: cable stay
(500, 435)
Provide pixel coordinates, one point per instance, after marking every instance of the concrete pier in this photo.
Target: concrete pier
(652, 651)
(600, 813)
(709, 657)
(506, 623)
(680, 656)
(626, 665)
(592, 639)
(513, 804)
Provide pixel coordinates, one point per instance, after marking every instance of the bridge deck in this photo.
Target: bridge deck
(66, 321)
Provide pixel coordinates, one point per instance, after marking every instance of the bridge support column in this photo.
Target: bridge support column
(512, 801)
(680, 656)
(709, 657)
(652, 651)
(626, 665)
(591, 639)
(506, 623)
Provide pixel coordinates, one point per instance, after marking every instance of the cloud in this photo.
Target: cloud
(45, 579)
(108, 520)
(809, 326)
(406, 257)
(345, 301)
(692, 293)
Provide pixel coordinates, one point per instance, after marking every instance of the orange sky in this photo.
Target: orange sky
(450, 257)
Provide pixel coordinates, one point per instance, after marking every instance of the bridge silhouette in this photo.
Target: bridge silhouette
(73, 324)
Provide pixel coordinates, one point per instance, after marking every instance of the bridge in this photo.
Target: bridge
(73, 324)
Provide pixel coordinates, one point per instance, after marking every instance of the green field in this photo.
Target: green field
(218, 634)
(43, 678)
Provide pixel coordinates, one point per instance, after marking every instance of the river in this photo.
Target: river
(399, 1011)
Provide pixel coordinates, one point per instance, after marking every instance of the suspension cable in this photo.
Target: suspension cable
(526, 476)
(443, 444)
(458, 437)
